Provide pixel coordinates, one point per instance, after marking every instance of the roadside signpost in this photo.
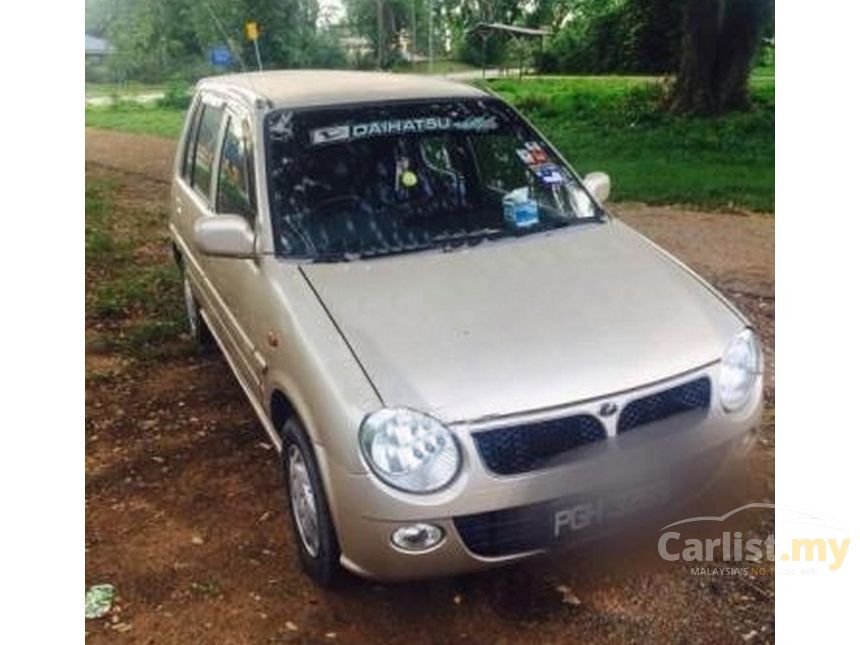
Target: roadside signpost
(221, 56)
(225, 35)
(252, 33)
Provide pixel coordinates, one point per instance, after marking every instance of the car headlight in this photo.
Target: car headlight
(409, 450)
(740, 367)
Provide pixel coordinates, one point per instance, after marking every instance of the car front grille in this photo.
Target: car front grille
(694, 395)
(530, 446)
(525, 447)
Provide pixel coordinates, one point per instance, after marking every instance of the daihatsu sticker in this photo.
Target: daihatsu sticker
(330, 135)
(344, 132)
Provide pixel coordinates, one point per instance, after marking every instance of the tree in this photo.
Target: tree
(156, 39)
(720, 39)
(612, 36)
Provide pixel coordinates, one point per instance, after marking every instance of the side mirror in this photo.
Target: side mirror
(599, 185)
(228, 236)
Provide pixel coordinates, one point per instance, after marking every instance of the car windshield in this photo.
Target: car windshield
(382, 179)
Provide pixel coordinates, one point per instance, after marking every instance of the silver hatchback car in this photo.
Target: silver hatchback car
(463, 359)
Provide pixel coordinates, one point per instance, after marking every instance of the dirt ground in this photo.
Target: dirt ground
(185, 509)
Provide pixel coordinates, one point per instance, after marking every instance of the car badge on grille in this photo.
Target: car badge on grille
(607, 409)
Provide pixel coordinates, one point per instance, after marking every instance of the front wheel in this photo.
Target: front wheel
(313, 529)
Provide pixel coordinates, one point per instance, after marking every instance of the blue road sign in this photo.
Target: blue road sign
(220, 56)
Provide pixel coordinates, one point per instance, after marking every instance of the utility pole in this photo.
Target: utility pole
(430, 36)
(414, 34)
(227, 38)
(379, 35)
(257, 52)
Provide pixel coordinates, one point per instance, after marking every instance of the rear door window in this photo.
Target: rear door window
(236, 176)
(204, 153)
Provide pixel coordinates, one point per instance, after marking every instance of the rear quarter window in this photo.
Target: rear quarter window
(190, 139)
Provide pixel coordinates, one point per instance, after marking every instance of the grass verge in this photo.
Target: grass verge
(618, 125)
(122, 89)
(140, 119)
(133, 302)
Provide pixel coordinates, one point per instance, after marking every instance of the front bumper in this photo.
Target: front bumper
(366, 511)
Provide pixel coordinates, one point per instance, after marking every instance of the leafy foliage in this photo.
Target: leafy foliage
(629, 36)
(176, 95)
(157, 39)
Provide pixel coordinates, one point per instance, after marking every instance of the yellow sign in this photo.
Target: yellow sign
(252, 32)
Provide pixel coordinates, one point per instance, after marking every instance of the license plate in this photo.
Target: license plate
(578, 517)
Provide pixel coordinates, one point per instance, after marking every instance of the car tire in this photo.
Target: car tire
(313, 529)
(197, 328)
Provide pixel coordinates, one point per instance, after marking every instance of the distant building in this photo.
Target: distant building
(96, 47)
(97, 57)
(355, 47)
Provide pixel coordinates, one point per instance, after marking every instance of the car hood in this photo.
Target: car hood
(526, 323)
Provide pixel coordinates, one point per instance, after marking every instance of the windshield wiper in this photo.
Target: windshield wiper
(444, 243)
(472, 238)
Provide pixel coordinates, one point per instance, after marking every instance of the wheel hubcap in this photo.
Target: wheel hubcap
(190, 306)
(304, 504)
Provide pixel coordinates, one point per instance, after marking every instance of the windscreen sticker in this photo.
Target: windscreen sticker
(403, 175)
(282, 126)
(524, 156)
(532, 154)
(538, 154)
(331, 134)
(346, 132)
(549, 173)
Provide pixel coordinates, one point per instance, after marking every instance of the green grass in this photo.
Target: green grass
(140, 119)
(122, 89)
(763, 72)
(133, 299)
(439, 67)
(616, 124)
(101, 246)
(148, 290)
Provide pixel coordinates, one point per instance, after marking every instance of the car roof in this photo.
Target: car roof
(305, 88)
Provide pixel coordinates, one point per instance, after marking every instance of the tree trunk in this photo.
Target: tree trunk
(720, 39)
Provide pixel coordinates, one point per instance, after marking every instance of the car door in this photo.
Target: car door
(194, 198)
(239, 282)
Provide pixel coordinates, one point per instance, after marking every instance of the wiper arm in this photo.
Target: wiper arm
(443, 242)
(393, 250)
(450, 242)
